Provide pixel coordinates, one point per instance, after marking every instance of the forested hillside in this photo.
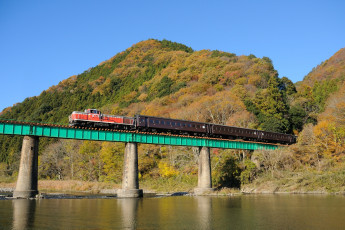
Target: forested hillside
(322, 95)
(316, 162)
(168, 79)
(333, 68)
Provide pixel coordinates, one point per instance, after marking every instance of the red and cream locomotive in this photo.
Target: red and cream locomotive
(94, 118)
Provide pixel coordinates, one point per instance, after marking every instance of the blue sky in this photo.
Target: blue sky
(44, 42)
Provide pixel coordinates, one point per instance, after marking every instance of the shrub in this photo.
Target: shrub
(227, 173)
(249, 172)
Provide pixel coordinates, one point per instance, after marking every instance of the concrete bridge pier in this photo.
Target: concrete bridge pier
(130, 180)
(204, 173)
(28, 170)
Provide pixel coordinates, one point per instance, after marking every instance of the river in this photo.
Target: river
(177, 212)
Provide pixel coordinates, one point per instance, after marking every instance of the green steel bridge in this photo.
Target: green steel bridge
(27, 182)
(8, 127)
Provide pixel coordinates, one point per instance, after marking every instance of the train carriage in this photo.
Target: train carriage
(230, 132)
(159, 124)
(277, 137)
(233, 132)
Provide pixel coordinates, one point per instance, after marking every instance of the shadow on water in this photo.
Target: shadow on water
(179, 194)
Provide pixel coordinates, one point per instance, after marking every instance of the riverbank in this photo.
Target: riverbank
(304, 182)
(108, 188)
(66, 186)
(294, 184)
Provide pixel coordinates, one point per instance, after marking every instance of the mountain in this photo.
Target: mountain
(321, 97)
(333, 68)
(168, 79)
(149, 74)
(318, 86)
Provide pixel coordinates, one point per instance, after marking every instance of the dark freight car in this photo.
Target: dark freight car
(160, 124)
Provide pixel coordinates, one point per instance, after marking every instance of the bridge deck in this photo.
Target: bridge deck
(65, 132)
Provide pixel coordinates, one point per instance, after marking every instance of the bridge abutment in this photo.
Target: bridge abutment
(204, 173)
(28, 170)
(130, 179)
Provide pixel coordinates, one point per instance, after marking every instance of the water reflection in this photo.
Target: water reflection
(129, 210)
(204, 209)
(23, 214)
(185, 212)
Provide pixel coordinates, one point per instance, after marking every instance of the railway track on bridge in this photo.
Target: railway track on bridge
(127, 131)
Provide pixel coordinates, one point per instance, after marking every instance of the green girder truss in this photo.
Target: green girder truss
(64, 132)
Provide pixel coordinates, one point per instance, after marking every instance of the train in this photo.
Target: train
(94, 118)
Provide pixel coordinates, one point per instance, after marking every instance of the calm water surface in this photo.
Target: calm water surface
(243, 212)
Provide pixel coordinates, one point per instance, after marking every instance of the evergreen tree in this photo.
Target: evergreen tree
(273, 108)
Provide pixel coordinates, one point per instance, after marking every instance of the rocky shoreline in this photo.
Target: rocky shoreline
(112, 193)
